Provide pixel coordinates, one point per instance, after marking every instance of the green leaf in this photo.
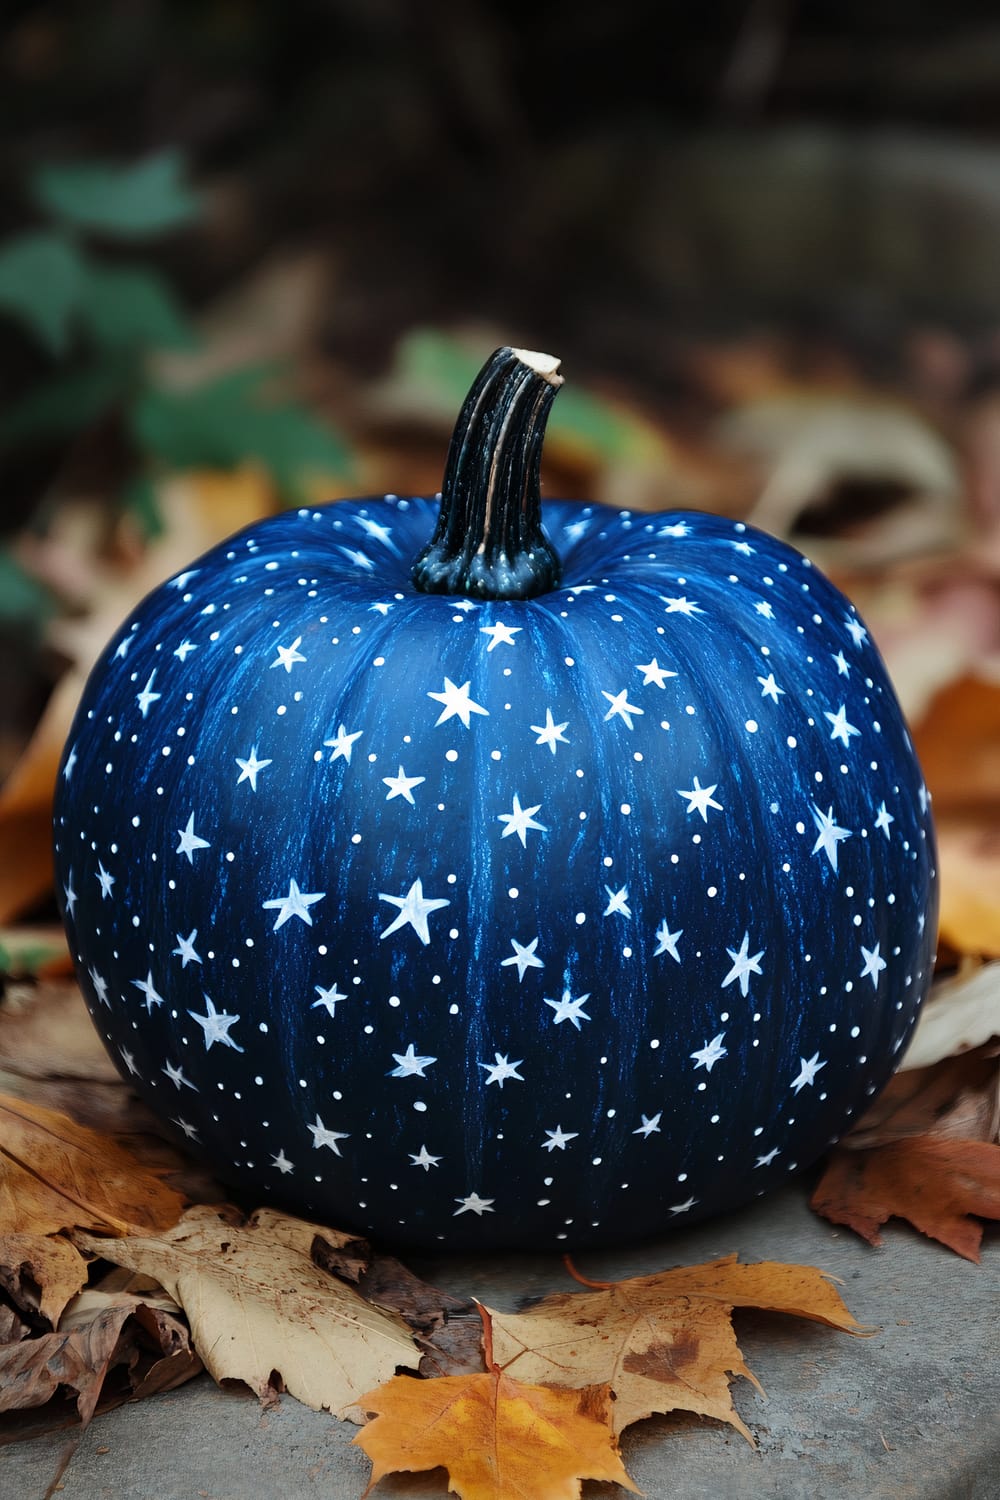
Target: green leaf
(23, 600)
(128, 307)
(231, 420)
(65, 404)
(129, 201)
(41, 281)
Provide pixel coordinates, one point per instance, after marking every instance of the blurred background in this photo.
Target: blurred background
(252, 254)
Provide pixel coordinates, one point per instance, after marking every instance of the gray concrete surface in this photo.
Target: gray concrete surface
(912, 1413)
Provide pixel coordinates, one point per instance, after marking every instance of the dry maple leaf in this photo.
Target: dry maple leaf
(258, 1304)
(938, 1185)
(55, 1174)
(663, 1342)
(499, 1438)
(41, 1275)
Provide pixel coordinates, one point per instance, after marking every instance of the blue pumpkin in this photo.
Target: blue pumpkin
(550, 891)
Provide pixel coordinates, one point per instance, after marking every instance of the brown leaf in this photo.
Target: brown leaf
(969, 861)
(41, 1275)
(955, 1099)
(958, 741)
(663, 1342)
(259, 1305)
(937, 1185)
(55, 1174)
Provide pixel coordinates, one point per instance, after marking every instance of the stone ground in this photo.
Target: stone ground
(912, 1413)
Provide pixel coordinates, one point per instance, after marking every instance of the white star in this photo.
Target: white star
(924, 797)
(617, 902)
(550, 732)
(883, 820)
(763, 608)
(343, 743)
(189, 1130)
(653, 673)
(700, 799)
(148, 988)
(282, 1163)
(183, 579)
(176, 1076)
(409, 1065)
(215, 1024)
(381, 608)
(683, 1208)
(424, 1159)
(123, 646)
(190, 841)
(841, 730)
(70, 895)
(501, 1069)
(100, 985)
(185, 948)
(413, 909)
(576, 529)
(147, 696)
(380, 533)
(557, 1138)
(874, 964)
(473, 1204)
(681, 606)
(568, 1009)
(128, 1058)
(288, 655)
(456, 701)
(360, 559)
(807, 1072)
(706, 1057)
(649, 1126)
(677, 529)
(765, 1161)
(828, 834)
(463, 604)
(843, 666)
(769, 688)
(71, 760)
(106, 881)
(743, 966)
(401, 785)
(295, 904)
(525, 958)
(743, 547)
(621, 706)
(520, 820)
(250, 768)
(328, 998)
(184, 649)
(323, 1137)
(500, 635)
(857, 631)
(667, 940)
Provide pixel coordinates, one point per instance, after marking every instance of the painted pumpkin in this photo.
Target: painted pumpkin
(542, 892)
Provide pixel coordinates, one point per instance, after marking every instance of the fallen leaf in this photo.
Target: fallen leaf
(55, 1174)
(958, 742)
(663, 1342)
(41, 1275)
(938, 1186)
(969, 862)
(960, 1013)
(957, 1098)
(258, 1305)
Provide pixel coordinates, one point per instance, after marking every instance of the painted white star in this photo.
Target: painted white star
(343, 743)
(185, 948)
(764, 609)
(401, 785)
(360, 559)
(575, 530)
(883, 820)
(550, 732)
(424, 1159)
(183, 579)
(617, 902)
(128, 1058)
(857, 631)
(250, 768)
(557, 1138)
(215, 1024)
(519, 820)
(381, 608)
(123, 646)
(148, 988)
(874, 964)
(676, 529)
(743, 547)
(147, 697)
(621, 706)
(769, 688)
(683, 1208)
(765, 1161)
(706, 1057)
(681, 606)
(667, 940)
(328, 998)
(524, 957)
(828, 834)
(743, 965)
(840, 729)
(568, 1009)
(70, 896)
(457, 703)
(409, 1065)
(100, 985)
(323, 1137)
(288, 655)
(924, 797)
(414, 909)
(654, 673)
(473, 1204)
(500, 635)
(380, 533)
(282, 1163)
(843, 666)
(184, 649)
(295, 904)
(105, 880)
(807, 1072)
(501, 1069)
(649, 1126)
(700, 799)
(189, 1130)
(190, 841)
(71, 760)
(176, 1076)
(465, 605)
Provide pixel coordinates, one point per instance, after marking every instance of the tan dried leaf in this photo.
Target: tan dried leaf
(41, 1275)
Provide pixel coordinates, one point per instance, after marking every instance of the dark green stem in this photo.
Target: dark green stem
(489, 542)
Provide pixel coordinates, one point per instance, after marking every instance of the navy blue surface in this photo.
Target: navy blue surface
(540, 923)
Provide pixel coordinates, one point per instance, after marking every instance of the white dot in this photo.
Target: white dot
(451, 755)
(751, 726)
(581, 917)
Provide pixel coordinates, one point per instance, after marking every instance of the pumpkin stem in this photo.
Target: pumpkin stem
(489, 542)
